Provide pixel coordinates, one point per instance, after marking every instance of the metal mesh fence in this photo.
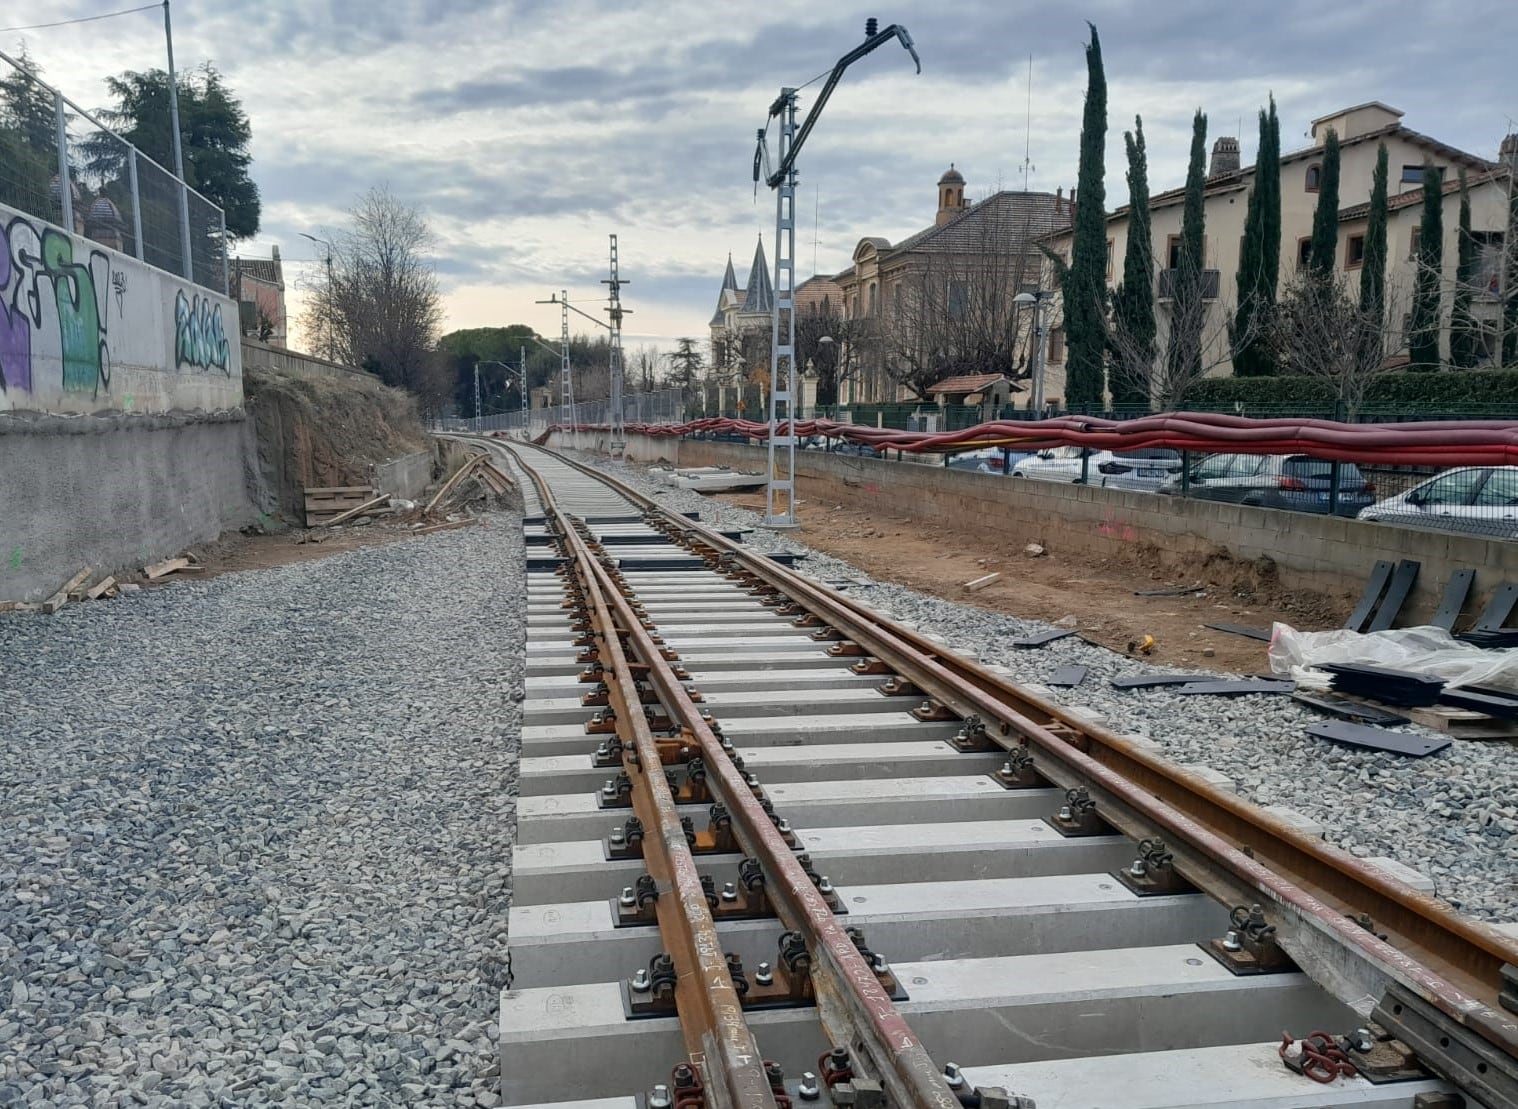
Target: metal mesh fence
(662, 406)
(60, 164)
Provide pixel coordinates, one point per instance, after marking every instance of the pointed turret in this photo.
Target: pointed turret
(729, 285)
(761, 291)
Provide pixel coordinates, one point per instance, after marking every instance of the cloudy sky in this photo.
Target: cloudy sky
(527, 131)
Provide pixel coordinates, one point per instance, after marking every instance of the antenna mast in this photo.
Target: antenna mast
(1028, 128)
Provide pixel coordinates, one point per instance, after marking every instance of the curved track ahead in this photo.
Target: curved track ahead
(1048, 902)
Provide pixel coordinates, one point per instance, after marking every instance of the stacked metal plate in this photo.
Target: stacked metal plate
(1384, 684)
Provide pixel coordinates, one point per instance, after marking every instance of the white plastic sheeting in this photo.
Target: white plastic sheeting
(1423, 650)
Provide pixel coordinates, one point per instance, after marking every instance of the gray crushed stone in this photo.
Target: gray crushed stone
(256, 834)
(1452, 816)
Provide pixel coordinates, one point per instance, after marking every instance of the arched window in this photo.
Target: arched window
(874, 299)
(1314, 175)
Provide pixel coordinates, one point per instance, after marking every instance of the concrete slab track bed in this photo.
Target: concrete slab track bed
(942, 880)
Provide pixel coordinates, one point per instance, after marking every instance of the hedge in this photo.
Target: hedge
(1471, 392)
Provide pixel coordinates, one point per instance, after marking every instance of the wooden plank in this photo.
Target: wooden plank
(430, 528)
(1453, 722)
(331, 489)
(76, 581)
(458, 475)
(357, 511)
(1375, 585)
(164, 568)
(980, 583)
(100, 588)
(54, 603)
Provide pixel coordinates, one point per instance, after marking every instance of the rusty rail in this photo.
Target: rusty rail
(706, 1001)
(1223, 843)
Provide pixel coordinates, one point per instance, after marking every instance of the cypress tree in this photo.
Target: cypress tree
(1462, 324)
(1133, 301)
(1085, 288)
(1373, 262)
(1423, 337)
(1187, 308)
(1260, 260)
(1509, 350)
(1325, 219)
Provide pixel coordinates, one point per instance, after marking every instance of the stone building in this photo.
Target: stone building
(258, 285)
(940, 302)
(1361, 130)
(742, 325)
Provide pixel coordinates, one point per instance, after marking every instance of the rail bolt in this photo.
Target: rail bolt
(764, 975)
(627, 900)
(640, 982)
(808, 1089)
(952, 1076)
(659, 1098)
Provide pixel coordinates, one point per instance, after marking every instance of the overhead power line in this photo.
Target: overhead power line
(80, 19)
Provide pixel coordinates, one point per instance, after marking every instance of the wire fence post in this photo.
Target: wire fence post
(226, 255)
(65, 189)
(136, 201)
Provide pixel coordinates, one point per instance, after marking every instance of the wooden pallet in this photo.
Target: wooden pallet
(1455, 723)
(325, 503)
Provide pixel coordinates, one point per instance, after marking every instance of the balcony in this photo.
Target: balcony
(1211, 280)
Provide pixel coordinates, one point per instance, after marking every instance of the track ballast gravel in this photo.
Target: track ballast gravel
(1452, 816)
(256, 833)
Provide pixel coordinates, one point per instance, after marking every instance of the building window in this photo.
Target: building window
(1056, 344)
(1487, 280)
(1109, 259)
(1173, 252)
(1314, 175)
(958, 300)
(1354, 251)
(1412, 243)
(874, 300)
(1304, 252)
(1413, 175)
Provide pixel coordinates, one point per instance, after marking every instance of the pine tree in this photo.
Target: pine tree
(1325, 219)
(1373, 263)
(1464, 336)
(1085, 287)
(28, 145)
(1187, 309)
(1260, 260)
(1423, 331)
(1133, 300)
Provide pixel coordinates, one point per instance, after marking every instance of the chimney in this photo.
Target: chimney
(1507, 153)
(1225, 157)
(1059, 200)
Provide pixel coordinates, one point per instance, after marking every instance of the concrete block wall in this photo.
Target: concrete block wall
(262, 355)
(1323, 554)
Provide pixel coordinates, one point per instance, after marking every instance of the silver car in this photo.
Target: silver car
(1482, 500)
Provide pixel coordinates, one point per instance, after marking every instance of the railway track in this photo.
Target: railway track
(773, 847)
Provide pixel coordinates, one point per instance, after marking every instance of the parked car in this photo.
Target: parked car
(987, 460)
(1291, 481)
(1479, 499)
(1145, 468)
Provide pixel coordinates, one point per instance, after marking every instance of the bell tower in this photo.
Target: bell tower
(951, 195)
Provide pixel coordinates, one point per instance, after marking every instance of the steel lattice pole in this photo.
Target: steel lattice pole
(780, 493)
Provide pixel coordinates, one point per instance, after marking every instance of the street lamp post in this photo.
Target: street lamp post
(1036, 299)
(331, 312)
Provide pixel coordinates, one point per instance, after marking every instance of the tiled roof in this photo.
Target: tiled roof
(968, 383)
(1001, 220)
(759, 297)
(259, 269)
(1415, 196)
(1240, 178)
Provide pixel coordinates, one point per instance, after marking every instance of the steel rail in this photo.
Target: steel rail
(1218, 838)
(706, 1001)
(856, 1010)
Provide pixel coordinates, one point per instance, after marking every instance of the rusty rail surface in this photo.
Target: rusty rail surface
(706, 1000)
(855, 1010)
(1224, 844)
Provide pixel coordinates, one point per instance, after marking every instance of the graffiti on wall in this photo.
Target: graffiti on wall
(53, 310)
(199, 340)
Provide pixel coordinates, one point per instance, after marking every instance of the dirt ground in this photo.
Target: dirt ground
(1099, 596)
(234, 552)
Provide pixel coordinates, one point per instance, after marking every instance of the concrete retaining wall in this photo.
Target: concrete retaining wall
(1324, 554)
(406, 476)
(293, 362)
(85, 329)
(113, 492)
